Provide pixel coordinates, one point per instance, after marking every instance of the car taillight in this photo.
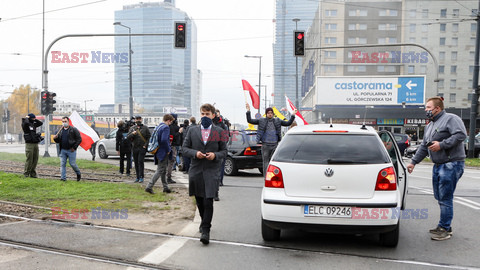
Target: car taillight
(274, 177)
(250, 152)
(386, 179)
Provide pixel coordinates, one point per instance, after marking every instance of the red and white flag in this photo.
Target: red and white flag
(253, 94)
(89, 136)
(298, 117)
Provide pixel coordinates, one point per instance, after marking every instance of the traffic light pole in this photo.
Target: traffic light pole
(45, 71)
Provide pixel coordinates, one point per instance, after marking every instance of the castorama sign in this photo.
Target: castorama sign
(371, 90)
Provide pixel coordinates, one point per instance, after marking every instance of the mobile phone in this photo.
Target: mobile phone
(429, 144)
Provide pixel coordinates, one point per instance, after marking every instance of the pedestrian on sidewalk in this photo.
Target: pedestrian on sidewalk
(139, 134)
(177, 137)
(32, 138)
(69, 139)
(93, 148)
(162, 155)
(443, 142)
(206, 148)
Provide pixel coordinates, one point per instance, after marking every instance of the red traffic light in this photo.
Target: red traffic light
(300, 35)
(180, 27)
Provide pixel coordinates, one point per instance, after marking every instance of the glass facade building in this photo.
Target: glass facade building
(162, 76)
(283, 57)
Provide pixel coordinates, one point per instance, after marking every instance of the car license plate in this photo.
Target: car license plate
(327, 211)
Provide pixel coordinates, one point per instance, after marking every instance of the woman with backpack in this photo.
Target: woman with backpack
(123, 146)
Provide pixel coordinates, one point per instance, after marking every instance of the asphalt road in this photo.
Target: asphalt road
(236, 241)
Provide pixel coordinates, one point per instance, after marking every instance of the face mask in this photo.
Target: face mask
(206, 121)
(429, 114)
(65, 125)
(139, 123)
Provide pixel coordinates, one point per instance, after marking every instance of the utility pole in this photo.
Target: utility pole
(474, 107)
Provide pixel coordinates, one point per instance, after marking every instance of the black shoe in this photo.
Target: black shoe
(79, 176)
(167, 190)
(200, 230)
(93, 158)
(221, 184)
(149, 190)
(205, 238)
(216, 199)
(33, 176)
(170, 181)
(64, 180)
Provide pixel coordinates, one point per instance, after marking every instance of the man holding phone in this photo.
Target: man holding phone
(443, 142)
(206, 145)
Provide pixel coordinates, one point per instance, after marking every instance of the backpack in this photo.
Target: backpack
(153, 142)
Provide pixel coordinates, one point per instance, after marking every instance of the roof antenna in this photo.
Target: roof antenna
(331, 125)
(365, 116)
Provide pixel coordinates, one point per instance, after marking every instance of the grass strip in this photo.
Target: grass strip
(55, 161)
(75, 195)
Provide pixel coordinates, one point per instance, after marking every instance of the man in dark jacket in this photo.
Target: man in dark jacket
(139, 134)
(93, 148)
(177, 137)
(69, 139)
(269, 132)
(29, 127)
(123, 146)
(161, 156)
(207, 148)
(219, 122)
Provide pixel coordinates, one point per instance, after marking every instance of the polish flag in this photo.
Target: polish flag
(298, 117)
(89, 136)
(253, 94)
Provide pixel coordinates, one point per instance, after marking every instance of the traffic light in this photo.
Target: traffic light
(180, 34)
(299, 41)
(8, 116)
(43, 103)
(50, 102)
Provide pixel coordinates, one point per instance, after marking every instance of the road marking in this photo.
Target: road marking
(460, 200)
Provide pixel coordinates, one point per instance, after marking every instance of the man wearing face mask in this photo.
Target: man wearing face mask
(139, 134)
(443, 142)
(29, 127)
(69, 139)
(206, 145)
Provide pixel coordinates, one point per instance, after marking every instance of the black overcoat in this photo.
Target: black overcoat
(204, 174)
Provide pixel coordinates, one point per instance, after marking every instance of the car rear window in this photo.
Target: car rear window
(331, 149)
(252, 139)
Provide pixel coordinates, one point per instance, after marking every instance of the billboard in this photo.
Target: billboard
(385, 90)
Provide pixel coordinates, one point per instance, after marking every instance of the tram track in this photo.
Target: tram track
(119, 261)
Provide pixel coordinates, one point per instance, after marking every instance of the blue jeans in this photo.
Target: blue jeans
(72, 159)
(444, 181)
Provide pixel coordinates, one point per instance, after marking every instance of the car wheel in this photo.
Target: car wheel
(230, 167)
(390, 239)
(102, 153)
(269, 234)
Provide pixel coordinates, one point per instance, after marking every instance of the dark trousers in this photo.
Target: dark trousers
(139, 158)
(205, 208)
(267, 153)
(93, 148)
(186, 163)
(126, 156)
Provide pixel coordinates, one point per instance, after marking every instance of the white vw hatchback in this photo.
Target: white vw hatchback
(335, 178)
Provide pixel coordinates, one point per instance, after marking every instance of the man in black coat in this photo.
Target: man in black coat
(29, 127)
(269, 133)
(206, 146)
(123, 146)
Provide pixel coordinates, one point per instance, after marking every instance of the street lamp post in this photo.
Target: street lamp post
(259, 76)
(86, 107)
(130, 99)
(296, 71)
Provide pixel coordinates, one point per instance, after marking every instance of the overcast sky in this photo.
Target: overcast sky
(227, 30)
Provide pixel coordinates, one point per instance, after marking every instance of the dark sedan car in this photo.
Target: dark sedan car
(243, 152)
(402, 141)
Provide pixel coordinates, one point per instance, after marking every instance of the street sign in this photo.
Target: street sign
(258, 116)
(387, 90)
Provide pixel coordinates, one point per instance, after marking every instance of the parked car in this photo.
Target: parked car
(106, 146)
(402, 140)
(243, 152)
(476, 151)
(335, 178)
